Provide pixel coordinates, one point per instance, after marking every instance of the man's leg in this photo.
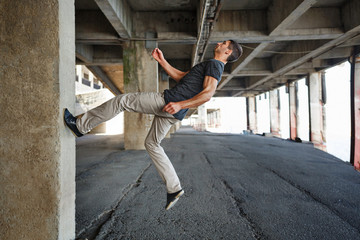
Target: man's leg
(158, 130)
(142, 102)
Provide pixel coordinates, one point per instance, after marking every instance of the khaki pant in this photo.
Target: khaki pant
(141, 102)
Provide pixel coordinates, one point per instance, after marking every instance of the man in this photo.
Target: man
(193, 88)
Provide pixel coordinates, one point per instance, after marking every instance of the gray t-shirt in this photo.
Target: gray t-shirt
(192, 83)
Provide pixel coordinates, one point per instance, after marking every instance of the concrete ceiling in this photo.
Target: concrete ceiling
(282, 40)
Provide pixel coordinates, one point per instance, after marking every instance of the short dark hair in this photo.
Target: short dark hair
(236, 51)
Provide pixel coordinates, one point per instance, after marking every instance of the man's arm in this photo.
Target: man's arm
(174, 73)
(204, 96)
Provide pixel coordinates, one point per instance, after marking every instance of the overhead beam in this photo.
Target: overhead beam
(92, 26)
(339, 52)
(99, 55)
(313, 24)
(84, 52)
(102, 62)
(176, 37)
(204, 8)
(302, 47)
(245, 73)
(119, 14)
(300, 71)
(290, 11)
(282, 14)
(176, 23)
(350, 14)
(213, 20)
(285, 35)
(99, 73)
(313, 54)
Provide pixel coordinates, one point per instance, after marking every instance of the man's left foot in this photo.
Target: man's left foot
(172, 198)
(70, 122)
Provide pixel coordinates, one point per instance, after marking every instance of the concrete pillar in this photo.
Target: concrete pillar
(293, 110)
(202, 120)
(357, 114)
(274, 102)
(173, 129)
(251, 111)
(140, 75)
(177, 126)
(37, 152)
(317, 131)
(298, 117)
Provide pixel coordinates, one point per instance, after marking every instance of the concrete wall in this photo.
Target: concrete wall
(37, 171)
(88, 101)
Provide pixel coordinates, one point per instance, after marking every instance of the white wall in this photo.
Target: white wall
(337, 108)
(263, 113)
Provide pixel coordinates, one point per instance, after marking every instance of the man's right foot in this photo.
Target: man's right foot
(70, 122)
(172, 198)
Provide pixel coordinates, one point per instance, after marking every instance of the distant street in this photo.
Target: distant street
(236, 187)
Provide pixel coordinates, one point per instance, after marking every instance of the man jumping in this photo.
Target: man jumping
(193, 88)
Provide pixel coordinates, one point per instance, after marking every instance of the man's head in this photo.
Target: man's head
(229, 50)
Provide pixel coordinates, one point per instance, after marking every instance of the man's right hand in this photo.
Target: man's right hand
(174, 73)
(158, 55)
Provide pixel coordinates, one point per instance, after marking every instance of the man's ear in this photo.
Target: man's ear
(228, 52)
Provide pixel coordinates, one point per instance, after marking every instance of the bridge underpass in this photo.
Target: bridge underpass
(41, 42)
(233, 190)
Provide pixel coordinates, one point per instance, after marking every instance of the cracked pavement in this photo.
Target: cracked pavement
(236, 187)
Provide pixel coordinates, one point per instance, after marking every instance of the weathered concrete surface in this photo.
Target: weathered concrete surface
(239, 187)
(357, 114)
(37, 167)
(252, 124)
(316, 112)
(104, 174)
(274, 113)
(293, 111)
(140, 75)
(201, 122)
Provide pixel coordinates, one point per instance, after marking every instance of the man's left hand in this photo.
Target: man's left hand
(172, 107)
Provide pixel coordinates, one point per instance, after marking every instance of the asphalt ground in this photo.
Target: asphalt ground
(236, 187)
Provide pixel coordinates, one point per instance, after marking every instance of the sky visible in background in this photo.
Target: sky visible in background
(337, 108)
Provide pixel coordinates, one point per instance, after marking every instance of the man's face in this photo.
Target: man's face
(221, 47)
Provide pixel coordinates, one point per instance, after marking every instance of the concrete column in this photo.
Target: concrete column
(293, 111)
(177, 126)
(274, 102)
(173, 129)
(202, 120)
(37, 167)
(317, 133)
(140, 75)
(357, 114)
(251, 111)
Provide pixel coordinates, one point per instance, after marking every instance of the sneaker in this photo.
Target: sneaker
(70, 122)
(172, 198)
